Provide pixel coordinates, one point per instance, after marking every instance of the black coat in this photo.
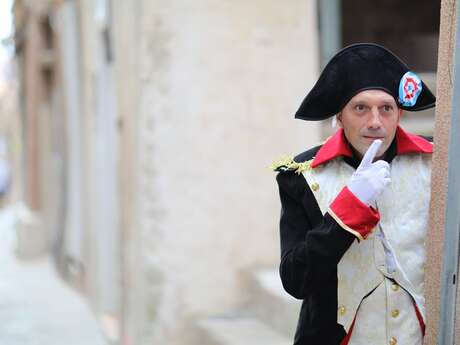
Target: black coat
(311, 247)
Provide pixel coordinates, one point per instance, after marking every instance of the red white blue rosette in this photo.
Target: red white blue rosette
(410, 87)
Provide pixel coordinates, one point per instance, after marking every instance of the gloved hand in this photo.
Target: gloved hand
(370, 179)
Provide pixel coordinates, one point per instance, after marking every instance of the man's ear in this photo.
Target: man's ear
(401, 113)
(339, 119)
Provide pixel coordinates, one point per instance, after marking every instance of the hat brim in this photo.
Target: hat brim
(354, 69)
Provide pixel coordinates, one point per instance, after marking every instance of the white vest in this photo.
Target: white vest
(403, 207)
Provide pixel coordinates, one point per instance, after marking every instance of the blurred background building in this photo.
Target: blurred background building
(141, 136)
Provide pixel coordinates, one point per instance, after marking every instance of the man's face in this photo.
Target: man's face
(370, 115)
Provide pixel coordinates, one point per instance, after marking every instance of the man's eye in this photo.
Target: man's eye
(359, 107)
(387, 108)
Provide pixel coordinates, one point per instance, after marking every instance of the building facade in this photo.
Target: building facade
(148, 130)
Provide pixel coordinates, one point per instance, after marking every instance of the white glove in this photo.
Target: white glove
(370, 179)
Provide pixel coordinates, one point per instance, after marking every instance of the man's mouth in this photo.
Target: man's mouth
(373, 138)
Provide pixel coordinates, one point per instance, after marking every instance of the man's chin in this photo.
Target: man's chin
(363, 149)
(369, 140)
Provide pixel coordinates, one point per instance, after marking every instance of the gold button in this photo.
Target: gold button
(395, 313)
(342, 310)
(315, 186)
(394, 287)
(393, 341)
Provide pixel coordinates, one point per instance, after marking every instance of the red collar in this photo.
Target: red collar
(337, 146)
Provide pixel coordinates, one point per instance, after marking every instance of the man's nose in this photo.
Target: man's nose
(374, 121)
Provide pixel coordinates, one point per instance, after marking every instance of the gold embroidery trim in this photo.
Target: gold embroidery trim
(288, 163)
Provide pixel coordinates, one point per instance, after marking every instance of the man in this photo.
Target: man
(355, 210)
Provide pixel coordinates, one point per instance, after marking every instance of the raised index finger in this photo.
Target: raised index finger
(371, 152)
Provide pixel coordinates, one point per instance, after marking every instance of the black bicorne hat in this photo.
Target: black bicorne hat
(362, 67)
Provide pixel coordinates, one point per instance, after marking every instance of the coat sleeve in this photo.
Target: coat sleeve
(311, 244)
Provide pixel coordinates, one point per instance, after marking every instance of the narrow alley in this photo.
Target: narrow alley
(36, 307)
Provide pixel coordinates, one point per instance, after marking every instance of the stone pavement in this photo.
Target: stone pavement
(36, 307)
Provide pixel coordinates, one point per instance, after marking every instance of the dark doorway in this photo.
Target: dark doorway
(409, 28)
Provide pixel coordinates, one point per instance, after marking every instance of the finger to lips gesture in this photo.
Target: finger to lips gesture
(371, 153)
(371, 178)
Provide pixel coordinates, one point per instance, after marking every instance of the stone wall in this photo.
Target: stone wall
(220, 82)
